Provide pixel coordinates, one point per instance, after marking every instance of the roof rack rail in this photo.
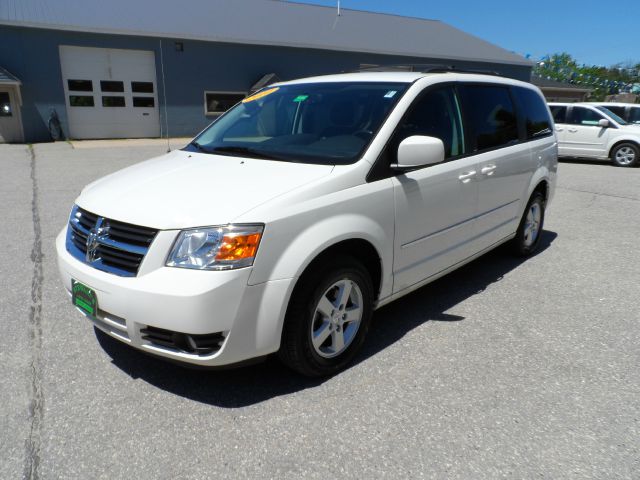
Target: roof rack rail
(424, 68)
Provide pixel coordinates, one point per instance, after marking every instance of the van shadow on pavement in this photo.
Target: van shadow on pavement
(253, 384)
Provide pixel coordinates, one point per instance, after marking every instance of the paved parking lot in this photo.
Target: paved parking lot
(503, 369)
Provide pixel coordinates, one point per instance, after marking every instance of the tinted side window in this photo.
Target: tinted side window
(634, 115)
(617, 110)
(435, 114)
(490, 116)
(559, 114)
(534, 113)
(584, 116)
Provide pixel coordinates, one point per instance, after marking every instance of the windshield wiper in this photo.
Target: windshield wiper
(200, 147)
(240, 151)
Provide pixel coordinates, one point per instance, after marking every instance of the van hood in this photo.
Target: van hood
(186, 189)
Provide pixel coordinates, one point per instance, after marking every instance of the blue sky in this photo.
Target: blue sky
(537, 28)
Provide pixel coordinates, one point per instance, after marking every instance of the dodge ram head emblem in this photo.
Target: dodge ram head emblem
(96, 234)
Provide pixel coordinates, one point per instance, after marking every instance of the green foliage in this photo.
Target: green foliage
(622, 77)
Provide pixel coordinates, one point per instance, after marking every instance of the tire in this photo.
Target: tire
(625, 155)
(529, 233)
(318, 308)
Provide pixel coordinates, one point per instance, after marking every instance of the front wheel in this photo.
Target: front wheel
(328, 317)
(527, 239)
(625, 155)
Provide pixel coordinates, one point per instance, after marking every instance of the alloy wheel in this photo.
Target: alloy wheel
(337, 318)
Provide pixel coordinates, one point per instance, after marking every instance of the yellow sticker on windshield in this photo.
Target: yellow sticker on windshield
(260, 95)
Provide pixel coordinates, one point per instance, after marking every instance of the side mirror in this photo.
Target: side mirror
(604, 123)
(418, 151)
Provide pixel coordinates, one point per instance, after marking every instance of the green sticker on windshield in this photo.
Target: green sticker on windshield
(301, 98)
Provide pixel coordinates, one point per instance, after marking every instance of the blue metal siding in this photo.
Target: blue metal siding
(33, 56)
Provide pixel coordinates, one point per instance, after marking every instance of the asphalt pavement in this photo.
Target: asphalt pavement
(503, 369)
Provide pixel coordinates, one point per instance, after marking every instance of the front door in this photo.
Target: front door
(583, 136)
(435, 205)
(10, 120)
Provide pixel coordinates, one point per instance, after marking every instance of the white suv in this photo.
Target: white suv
(592, 131)
(308, 205)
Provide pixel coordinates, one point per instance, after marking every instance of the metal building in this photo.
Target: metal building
(118, 68)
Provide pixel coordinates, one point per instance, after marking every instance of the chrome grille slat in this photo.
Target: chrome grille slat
(120, 247)
(125, 247)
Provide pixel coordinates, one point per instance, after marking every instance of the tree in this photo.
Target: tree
(622, 77)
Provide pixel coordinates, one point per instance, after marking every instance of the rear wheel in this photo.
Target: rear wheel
(625, 155)
(529, 231)
(328, 317)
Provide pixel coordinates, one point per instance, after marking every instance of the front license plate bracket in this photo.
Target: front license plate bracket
(84, 298)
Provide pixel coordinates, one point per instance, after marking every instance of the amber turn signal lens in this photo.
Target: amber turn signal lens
(237, 247)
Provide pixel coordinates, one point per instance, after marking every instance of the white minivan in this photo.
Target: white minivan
(592, 131)
(630, 112)
(291, 218)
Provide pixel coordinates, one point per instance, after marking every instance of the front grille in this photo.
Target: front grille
(115, 247)
(183, 342)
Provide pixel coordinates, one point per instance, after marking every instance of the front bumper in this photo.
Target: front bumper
(248, 317)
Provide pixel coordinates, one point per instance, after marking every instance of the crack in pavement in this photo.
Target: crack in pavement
(36, 402)
(599, 193)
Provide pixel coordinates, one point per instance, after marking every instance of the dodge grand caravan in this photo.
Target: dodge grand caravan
(595, 132)
(286, 222)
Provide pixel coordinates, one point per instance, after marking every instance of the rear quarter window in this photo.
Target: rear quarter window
(533, 112)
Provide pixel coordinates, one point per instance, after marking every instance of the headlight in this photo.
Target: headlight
(216, 248)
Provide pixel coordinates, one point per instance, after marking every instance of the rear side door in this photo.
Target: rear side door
(504, 160)
(435, 205)
(584, 137)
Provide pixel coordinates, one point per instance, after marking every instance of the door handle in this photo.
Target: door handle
(487, 170)
(558, 129)
(573, 130)
(467, 176)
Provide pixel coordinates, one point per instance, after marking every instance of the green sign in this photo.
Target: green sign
(301, 98)
(84, 298)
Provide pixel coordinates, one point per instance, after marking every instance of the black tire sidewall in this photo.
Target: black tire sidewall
(300, 353)
(622, 145)
(519, 246)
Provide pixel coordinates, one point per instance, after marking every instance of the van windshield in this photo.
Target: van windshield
(608, 112)
(322, 123)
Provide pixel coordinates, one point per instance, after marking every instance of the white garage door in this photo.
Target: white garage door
(110, 93)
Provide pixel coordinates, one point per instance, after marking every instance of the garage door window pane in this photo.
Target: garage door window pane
(5, 105)
(145, 102)
(81, 101)
(221, 102)
(142, 87)
(111, 86)
(80, 85)
(113, 101)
